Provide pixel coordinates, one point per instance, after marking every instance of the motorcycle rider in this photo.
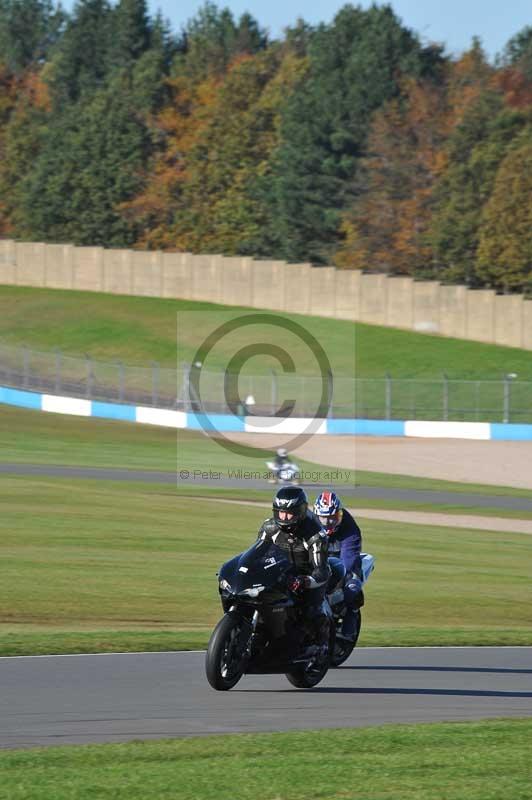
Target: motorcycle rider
(280, 460)
(345, 544)
(294, 529)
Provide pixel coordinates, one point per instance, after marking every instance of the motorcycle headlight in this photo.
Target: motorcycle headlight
(254, 592)
(225, 586)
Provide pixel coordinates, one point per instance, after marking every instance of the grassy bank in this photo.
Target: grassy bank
(142, 329)
(480, 761)
(94, 558)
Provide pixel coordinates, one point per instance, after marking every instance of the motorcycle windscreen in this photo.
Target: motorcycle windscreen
(263, 564)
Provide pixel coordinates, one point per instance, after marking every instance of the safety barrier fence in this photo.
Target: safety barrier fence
(211, 422)
(508, 400)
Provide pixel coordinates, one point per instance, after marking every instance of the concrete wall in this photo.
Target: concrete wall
(424, 306)
(58, 272)
(400, 303)
(374, 299)
(453, 311)
(509, 317)
(297, 288)
(177, 275)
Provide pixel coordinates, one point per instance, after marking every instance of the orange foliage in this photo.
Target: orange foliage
(36, 91)
(517, 88)
(177, 127)
(387, 226)
(468, 78)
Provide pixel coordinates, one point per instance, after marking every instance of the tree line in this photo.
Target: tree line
(351, 143)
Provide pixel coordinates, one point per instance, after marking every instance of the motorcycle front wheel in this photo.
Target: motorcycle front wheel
(225, 662)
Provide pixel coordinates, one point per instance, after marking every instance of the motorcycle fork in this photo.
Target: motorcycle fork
(252, 636)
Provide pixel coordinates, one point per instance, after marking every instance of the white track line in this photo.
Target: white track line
(365, 649)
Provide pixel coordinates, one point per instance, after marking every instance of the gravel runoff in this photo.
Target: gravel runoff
(469, 461)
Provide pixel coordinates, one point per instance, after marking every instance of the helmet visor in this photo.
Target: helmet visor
(330, 522)
(285, 516)
(286, 519)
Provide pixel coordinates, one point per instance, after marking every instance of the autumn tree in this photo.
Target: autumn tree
(212, 39)
(26, 109)
(356, 64)
(505, 239)
(155, 208)
(515, 75)
(205, 194)
(386, 228)
(477, 147)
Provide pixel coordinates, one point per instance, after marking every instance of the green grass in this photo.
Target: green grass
(99, 559)
(445, 761)
(33, 437)
(359, 503)
(31, 640)
(140, 330)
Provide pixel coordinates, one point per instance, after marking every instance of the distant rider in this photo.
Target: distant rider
(345, 544)
(281, 458)
(280, 461)
(294, 529)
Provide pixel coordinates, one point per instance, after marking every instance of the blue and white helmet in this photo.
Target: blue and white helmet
(328, 510)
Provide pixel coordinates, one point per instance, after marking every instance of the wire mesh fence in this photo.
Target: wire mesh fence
(506, 400)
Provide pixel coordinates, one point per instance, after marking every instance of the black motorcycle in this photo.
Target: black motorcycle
(264, 628)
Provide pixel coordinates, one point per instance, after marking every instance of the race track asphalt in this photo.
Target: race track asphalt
(469, 499)
(53, 700)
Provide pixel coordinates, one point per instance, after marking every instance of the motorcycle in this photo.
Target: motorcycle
(287, 473)
(264, 629)
(344, 647)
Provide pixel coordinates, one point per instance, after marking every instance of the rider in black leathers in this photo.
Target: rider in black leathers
(294, 530)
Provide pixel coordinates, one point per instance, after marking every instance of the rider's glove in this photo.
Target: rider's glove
(295, 585)
(298, 584)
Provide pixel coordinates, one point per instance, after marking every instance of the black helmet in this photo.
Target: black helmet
(291, 499)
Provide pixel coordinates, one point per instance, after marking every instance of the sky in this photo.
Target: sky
(449, 22)
(452, 22)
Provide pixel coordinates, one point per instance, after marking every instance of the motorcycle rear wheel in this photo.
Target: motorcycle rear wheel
(224, 662)
(304, 678)
(343, 648)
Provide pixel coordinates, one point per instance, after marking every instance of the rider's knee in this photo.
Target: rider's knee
(353, 594)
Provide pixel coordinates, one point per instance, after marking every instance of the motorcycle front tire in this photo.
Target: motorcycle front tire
(224, 661)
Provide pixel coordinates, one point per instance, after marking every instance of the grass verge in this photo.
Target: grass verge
(39, 642)
(263, 499)
(143, 329)
(34, 437)
(102, 558)
(480, 761)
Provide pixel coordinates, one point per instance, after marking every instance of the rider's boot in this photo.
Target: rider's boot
(349, 625)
